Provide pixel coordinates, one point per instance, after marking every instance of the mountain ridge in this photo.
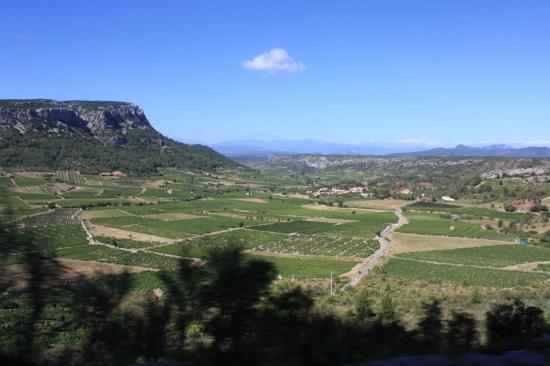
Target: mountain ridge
(488, 151)
(93, 136)
(261, 148)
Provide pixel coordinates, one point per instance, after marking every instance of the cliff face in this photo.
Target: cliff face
(91, 137)
(108, 122)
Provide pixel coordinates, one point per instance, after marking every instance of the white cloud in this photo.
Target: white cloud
(274, 60)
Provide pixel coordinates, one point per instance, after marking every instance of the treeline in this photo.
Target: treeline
(226, 312)
(143, 153)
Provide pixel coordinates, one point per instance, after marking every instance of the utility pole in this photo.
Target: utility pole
(330, 283)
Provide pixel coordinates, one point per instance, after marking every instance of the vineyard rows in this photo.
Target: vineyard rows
(461, 275)
(58, 216)
(434, 225)
(71, 177)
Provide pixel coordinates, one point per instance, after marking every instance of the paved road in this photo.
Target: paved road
(364, 268)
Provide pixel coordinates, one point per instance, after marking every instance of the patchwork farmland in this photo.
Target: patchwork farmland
(155, 222)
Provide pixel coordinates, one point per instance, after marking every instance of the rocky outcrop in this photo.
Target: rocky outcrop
(108, 122)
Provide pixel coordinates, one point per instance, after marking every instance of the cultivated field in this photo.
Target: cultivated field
(156, 222)
(404, 243)
(378, 204)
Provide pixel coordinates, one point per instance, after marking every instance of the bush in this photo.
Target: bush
(509, 208)
(512, 320)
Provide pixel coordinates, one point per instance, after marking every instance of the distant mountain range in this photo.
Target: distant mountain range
(488, 151)
(305, 146)
(260, 148)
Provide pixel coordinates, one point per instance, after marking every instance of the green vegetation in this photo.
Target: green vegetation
(497, 256)
(330, 244)
(181, 308)
(298, 226)
(464, 275)
(100, 253)
(174, 229)
(431, 224)
(465, 211)
(125, 243)
(308, 267)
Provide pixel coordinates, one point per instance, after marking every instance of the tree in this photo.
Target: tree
(234, 287)
(513, 320)
(363, 305)
(387, 307)
(462, 334)
(431, 325)
(509, 208)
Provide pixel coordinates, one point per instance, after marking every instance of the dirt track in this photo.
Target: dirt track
(362, 269)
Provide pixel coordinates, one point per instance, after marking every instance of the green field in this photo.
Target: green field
(327, 244)
(432, 224)
(463, 275)
(199, 247)
(174, 229)
(125, 243)
(298, 226)
(497, 256)
(99, 253)
(308, 267)
(465, 211)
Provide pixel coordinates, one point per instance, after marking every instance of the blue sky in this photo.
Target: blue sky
(434, 72)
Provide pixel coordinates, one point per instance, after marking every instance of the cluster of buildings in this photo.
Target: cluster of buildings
(326, 192)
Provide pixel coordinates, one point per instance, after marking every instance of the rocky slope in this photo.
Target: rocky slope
(92, 136)
(399, 164)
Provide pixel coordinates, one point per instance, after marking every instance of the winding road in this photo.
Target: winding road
(362, 269)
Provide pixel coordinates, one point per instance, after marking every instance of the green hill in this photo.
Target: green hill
(93, 137)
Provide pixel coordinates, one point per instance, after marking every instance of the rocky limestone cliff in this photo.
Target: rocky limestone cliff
(108, 122)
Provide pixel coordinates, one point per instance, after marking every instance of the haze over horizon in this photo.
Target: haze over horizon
(397, 73)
